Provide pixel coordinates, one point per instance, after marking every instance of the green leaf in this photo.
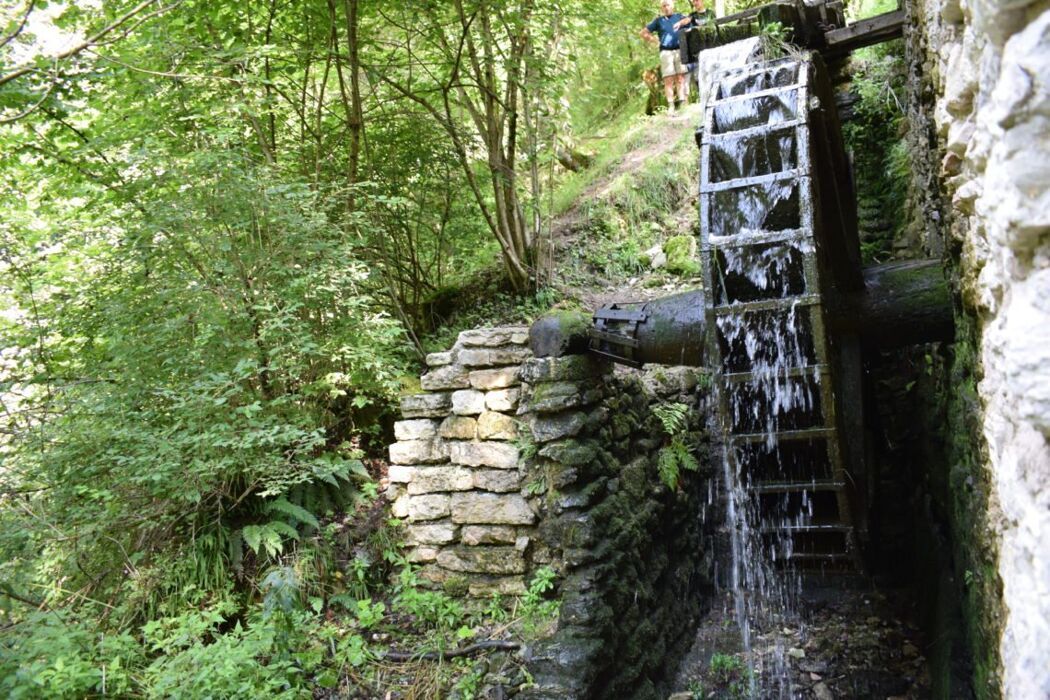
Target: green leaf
(296, 512)
(253, 535)
(271, 541)
(280, 528)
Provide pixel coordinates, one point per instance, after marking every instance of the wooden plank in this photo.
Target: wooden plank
(741, 182)
(620, 315)
(737, 16)
(791, 486)
(742, 240)
(775, 304)
(748, 96)
(866, 32)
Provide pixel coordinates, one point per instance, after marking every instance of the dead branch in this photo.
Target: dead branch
(490, 644)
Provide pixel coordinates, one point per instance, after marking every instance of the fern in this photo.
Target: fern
(675, 456)
(295, 512)
(674, 417)
(667, 467)
(268, 537)
(252, 537)
(282, 529)
(685, 457)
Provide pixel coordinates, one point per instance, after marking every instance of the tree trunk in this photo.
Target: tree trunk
(356, 121)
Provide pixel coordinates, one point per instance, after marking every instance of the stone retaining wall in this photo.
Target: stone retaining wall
(455, 474)
(510, 462)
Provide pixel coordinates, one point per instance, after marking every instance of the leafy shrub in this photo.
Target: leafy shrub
(537, 608)
(58, 656)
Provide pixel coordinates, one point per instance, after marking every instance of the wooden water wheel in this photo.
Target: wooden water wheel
(778, 238)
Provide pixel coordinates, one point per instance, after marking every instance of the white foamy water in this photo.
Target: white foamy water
(770, 351)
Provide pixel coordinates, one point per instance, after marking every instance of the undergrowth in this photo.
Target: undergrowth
(298, 632)
(876, 138)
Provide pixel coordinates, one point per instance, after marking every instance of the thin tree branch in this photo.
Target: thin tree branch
(163, 74)
(33, 107)
(95, 39)
(497, 644)
(21, 25)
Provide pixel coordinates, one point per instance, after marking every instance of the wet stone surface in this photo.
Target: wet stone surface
(853, 644)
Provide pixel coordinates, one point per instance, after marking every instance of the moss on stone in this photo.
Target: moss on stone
(570, 453)
(681, 255)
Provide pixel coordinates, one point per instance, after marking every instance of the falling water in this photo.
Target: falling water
(770, 381)
(713, 61)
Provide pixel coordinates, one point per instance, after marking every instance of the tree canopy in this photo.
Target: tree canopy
(227, 231)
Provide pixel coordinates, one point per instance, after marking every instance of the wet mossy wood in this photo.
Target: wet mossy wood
(904, 303)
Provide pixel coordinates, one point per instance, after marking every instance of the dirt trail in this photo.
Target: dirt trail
(659, 137)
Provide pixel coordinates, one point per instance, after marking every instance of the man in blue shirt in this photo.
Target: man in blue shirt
(663, 31)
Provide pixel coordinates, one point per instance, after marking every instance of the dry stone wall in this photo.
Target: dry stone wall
(509, 462)
(455, 474)
(986, 64)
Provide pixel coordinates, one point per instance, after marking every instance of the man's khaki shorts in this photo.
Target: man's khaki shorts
(671, 63)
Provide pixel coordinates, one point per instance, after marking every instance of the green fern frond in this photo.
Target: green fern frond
(295, 512)
(282, 529)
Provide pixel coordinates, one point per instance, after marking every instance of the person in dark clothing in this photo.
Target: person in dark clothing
(663, 31)
(695, 19)
(699, 16)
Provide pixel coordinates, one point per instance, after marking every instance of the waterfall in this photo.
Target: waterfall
(771, 361)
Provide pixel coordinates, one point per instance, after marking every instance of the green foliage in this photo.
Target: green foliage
(875, 136)
(431, 609)
(672, 459)
(774, 38)
(681, 255)
(731, 675)
(676, 455)
(538, 610)
(57, 657)
(725, 667)
(206, 318)
(483, 302)
(673, 417)
(369, 614)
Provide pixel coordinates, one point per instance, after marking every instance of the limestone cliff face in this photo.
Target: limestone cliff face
(988, 63)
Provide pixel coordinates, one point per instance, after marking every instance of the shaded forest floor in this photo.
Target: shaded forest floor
(854, 644)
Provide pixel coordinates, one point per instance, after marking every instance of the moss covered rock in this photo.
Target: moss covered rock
(681, 255)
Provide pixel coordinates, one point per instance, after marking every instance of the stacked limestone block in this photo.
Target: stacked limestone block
(455, 474)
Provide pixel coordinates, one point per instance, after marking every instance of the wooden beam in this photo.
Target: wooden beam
(739, 16)
(903, 303)
(873, 30)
